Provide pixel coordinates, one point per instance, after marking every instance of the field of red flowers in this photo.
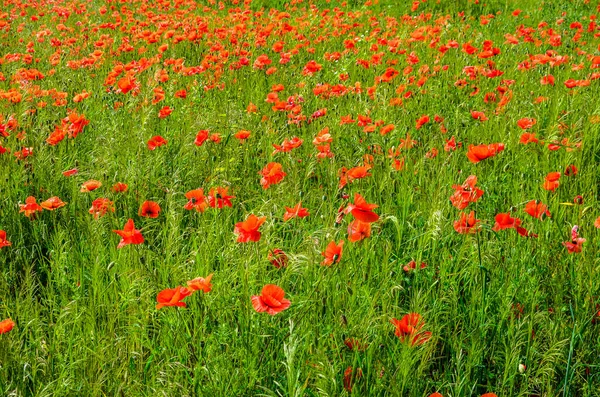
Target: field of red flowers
(268, 198)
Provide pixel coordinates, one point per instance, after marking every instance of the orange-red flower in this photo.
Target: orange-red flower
(481, 152)
(271, 300)
(101, 206)
(526, 123)
(571, 170)
(242, 135)
(362, 210)
(467, 224)
(156, 141)
(3, 241)
(57, 136)
(164, 112)
(31, 207)
(278, 258)
(52, 203)
(412, 265)
(70, 172)
(119, 187)
(271, 174)
(196, 200)
(466, 193)
(537, 209)
(505, 221)
(6, 326)
(90, 185)
(358, 230)
(332, 253)
(172, 297)
(200, 283)
(358, 172)
(201, 137)
(296, 211)
(248, 230)
(219, 197)
(129, 235)
(409, 328)
(288, 145)
(576, 242)
(551, 182)
(149, 209)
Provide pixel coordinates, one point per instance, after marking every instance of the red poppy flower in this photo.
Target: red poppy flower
(409, 328)
(101, 206)
(412, 265)
(270, 300)
(164, 112)
(201, 137)
(200, 283)
(197, 200)
(288, 145)
(505, 221)
(527, 137)
(332, 253)
(70, 172)
(467, 224)
(57, 136)
(358, 172)
(597, 223)
(126, 84)
(52, 203)
(90, 185)
(129, 235)
(549, 79)
(466, 193)
(537, 209)
(362, 210)
(74, 124)
(481, 152)
(156, 141)
(278, 258)
(248, 230)
(451, 144)
(479, 115)
(242, 135)
(576, 242)
(358, 230)
(422, 121)
(571, 170)
(3, 241)
(526, 123)
(149, 209)
(6, 326)
(271, 175)
(551, 182)
(219, 197)
(172, 297)
(30, 207)
(119, 187)
(296, 211)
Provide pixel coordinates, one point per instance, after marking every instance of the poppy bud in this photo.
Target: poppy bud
(522, 368)
(578, 200)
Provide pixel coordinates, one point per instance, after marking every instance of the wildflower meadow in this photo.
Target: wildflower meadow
(300, 198)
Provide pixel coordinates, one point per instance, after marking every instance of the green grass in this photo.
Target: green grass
(86, 323)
